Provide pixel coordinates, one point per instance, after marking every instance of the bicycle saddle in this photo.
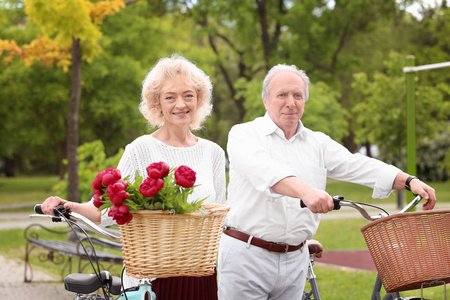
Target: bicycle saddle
(89, 283)
(315, 248)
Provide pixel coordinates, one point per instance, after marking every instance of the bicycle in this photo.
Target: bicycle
(89, 286)
(385, 263)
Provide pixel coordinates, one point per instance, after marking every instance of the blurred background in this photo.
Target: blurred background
(71, 75)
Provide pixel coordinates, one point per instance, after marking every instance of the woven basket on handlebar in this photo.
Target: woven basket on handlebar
(156, 244)
(409, 249)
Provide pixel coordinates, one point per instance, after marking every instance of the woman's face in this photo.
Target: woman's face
(178, 102)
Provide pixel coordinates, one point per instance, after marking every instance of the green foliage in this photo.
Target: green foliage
(92, 158)
(251, 91)
(31, 101)
(324, 113)
(380, 115)
(111, 112)
(70, 19)
(431, 158)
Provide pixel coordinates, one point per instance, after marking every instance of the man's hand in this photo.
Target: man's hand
(318, 201)
(425, 191)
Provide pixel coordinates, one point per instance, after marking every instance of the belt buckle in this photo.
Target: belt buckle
(286, 249)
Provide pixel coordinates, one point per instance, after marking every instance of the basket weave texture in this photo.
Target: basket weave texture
(409, 249)
(156, 244)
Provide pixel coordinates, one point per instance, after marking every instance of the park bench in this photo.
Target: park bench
(61, 246)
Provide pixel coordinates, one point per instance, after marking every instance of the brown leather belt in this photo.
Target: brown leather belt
(274, 247)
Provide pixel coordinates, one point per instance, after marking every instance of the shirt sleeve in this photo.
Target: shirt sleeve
(249, 155)
(219, 175)
(356, 168)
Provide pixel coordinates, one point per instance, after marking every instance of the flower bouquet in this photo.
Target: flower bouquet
(163, 189)
(162, 234)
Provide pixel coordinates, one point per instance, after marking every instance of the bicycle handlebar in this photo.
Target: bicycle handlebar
(61, 214)
(339, 202)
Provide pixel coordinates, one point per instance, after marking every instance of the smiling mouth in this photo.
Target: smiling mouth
(181, 113)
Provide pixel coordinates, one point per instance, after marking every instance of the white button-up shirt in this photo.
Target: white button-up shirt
(260, 156)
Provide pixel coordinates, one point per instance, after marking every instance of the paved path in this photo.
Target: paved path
(45, 286)
(13, 287)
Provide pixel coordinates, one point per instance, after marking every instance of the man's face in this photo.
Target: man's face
(286, 103)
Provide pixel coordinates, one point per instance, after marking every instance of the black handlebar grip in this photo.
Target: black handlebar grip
(56, 210)
(38, 209)
(336, 200)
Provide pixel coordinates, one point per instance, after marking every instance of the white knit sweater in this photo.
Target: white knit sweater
(206, 158)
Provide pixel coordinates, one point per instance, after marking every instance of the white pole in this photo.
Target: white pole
(426, 67)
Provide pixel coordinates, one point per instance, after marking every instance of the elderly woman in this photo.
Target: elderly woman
(176, 97)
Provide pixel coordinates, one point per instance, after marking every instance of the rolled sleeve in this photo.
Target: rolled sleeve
(385, 181)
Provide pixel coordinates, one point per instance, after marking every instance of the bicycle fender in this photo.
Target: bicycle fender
(144, 293)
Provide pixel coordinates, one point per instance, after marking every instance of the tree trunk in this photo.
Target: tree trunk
(10, 166)
(368, 149)
(262, 14)
(72, 123)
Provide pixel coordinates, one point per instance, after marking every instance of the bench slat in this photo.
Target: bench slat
(74, 250)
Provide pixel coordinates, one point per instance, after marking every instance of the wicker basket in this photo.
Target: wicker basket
(156, 244)
(409, 249)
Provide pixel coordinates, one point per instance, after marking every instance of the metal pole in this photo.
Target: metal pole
(426, 67)
(410, 122)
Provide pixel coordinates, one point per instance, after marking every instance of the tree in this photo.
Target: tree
(381, 110)
(72, 32)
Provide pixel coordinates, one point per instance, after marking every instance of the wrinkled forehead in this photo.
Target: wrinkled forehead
(287, 82)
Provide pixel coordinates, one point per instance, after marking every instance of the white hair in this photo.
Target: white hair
(283, 68)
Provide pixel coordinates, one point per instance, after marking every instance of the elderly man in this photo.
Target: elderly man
(274, 162)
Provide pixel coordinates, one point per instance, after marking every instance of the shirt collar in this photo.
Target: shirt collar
(270, 127)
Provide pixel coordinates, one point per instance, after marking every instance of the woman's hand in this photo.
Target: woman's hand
(51, 202)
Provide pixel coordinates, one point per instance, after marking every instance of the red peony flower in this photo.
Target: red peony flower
(97, 183)
(105, 178)
(185, 176)
(123, 215)
(97, 199)
(112, 212)
(117, 192)
(163, 189)
(158, 170)
(150, 186)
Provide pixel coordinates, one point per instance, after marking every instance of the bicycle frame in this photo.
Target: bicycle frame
(77, 284)
(311, 277)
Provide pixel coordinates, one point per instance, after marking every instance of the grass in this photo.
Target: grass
(27, 190)
(338, 234)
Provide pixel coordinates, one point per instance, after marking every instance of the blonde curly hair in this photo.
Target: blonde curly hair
(167, 68)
